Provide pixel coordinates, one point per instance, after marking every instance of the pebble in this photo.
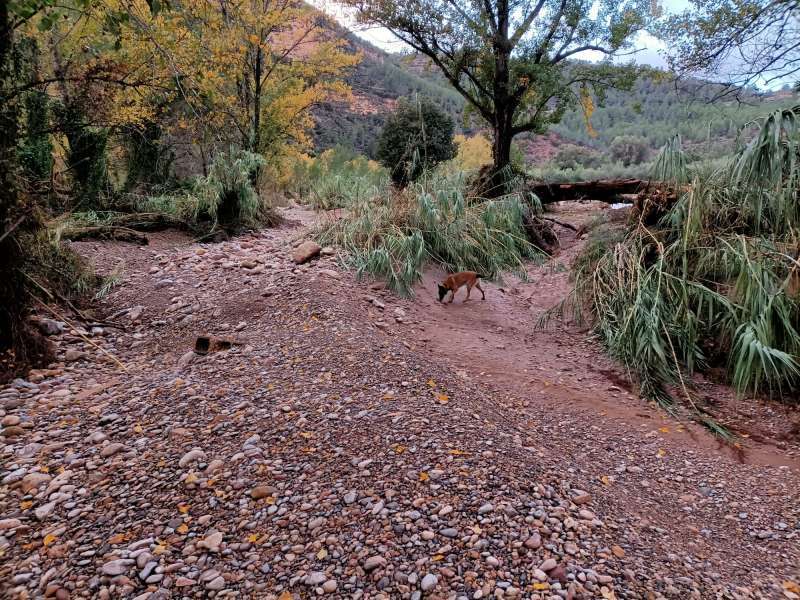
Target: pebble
(373, 562)
(216, 584)
(262, 491)
(486, 508)
(211, 542)
(548, 565)
(315, 578)
(117, 567)
(533, 542)
(194, 455)
(429, 582)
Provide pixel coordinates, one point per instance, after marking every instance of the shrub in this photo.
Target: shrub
(473, 153)
(36, 150)
(416, 137)
(87, 155)
(553, 174)
(225, 199)
(570, 156)
(336, 178)
(629, 149)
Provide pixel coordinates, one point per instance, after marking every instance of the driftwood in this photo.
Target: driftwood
(561, 223)
(606, 190)
(147, 221)
(540, 233)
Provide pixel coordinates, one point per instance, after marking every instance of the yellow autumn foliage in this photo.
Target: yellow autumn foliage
(214, 72)
(473, 152)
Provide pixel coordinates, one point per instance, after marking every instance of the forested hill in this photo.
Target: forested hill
(377, 82)
(653, 110)
(656, 110)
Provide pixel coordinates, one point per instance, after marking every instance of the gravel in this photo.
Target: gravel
(318, 457)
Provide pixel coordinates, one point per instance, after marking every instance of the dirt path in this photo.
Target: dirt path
(356, 445)
(561, 368)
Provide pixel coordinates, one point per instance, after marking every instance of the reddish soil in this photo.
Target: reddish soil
(561, 367)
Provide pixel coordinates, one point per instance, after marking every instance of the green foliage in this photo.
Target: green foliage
(515, 63)
(225, 199)
(36, 150)
(416, 137)
(149, 158)
(336, 178)
(629, 149)
(716, 282)
(656, 109)
(741, 42)
(52, 267)
(392, 236)
(554, 174)
(86, 156)
(570, 156)
(671, 165)
(227, 196)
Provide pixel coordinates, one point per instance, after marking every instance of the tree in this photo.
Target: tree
(18, 214)
(416, 137)
(512, 60)
(629, 149)
(248, 72)
(740, 42)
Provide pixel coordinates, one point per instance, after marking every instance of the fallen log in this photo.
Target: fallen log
(606, 190)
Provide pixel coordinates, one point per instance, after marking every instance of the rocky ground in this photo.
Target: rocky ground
(345, 447)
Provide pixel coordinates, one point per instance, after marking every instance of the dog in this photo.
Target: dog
(454, 282)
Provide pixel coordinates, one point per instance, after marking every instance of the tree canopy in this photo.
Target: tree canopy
(417, 136)
(514, 61)
(737, 42)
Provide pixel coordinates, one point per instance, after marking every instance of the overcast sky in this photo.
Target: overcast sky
(647, 46)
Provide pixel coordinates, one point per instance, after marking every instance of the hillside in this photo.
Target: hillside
(377, 82)
(656, 110)
(653, 110)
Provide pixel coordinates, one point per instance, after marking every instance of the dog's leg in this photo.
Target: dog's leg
(469, 290)
(478, 285)
(452, 296)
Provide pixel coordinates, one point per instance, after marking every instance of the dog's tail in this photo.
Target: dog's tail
(480, 276)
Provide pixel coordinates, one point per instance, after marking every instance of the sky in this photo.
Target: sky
(647, 47)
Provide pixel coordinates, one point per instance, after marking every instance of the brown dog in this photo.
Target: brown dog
(456, 280)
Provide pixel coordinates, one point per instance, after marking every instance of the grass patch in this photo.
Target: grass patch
(338, 178)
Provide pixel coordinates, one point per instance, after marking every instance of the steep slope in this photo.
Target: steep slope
(377, 83)
(655, 109)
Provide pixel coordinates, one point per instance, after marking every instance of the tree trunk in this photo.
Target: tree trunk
(503, 101)
(11, 289)
(501, 149)
(15, 218)
(257, 101)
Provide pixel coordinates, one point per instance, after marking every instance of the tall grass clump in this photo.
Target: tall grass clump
(393, 235)
(716, 282)
(337, 178)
